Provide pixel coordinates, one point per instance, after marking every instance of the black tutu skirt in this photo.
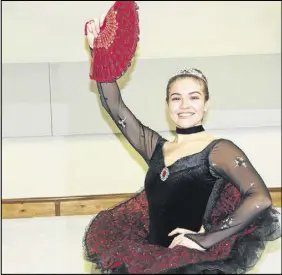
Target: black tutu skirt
(116, 240)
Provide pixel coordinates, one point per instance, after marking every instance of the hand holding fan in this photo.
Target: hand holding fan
(115, 45)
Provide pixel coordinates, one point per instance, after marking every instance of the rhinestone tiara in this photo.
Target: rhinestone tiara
(192, 72)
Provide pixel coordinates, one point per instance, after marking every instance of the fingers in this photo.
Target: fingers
(181, 240)
(93, 27)
(173, 244)
(180, 231)
(173, 232)
(90, 35)
(176, 241)
(202, 230)
(96, 26)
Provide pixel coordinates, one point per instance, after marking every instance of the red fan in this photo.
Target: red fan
(116, 43)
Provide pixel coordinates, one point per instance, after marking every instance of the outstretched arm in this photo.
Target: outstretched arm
(229, 162)
(142, 138)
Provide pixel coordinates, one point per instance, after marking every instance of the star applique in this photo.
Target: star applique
(122, 122)
(240, 162)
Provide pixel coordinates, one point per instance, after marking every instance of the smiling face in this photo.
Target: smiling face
(187, 101)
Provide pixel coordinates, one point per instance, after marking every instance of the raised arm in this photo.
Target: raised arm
(229, 162)
(142, 138)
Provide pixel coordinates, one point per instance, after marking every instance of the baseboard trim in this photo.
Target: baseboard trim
(76, 205)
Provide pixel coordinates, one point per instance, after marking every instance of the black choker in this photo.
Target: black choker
(191, 130)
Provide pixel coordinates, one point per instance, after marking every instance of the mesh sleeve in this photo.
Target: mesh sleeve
(229, 162)
(142, 138)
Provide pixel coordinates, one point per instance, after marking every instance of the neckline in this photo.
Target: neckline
(187, 156)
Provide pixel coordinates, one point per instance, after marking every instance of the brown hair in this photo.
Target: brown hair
(184, 75)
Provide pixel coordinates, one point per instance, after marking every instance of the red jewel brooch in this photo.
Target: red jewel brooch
(164, 174)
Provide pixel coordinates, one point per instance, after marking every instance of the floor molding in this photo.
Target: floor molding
(76, 205)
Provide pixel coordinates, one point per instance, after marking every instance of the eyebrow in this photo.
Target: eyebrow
(194, 92)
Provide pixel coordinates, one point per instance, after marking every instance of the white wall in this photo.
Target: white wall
(104, 165)
(53, 30)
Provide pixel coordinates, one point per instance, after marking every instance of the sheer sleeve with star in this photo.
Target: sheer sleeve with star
(229, 162)
(142, 138)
